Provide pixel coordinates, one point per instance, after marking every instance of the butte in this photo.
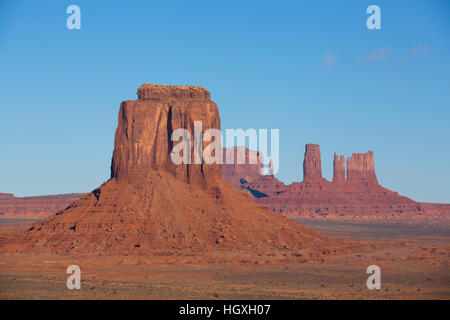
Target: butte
(149, 203)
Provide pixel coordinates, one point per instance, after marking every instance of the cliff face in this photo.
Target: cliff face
(241, 166)
(150, 203)
(338, 169)
(143, 137)
(361, 169)
(312, 163)
(357, 196)
(250, 177)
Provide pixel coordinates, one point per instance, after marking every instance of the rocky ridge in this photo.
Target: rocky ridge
(354, 191)
(38, 207)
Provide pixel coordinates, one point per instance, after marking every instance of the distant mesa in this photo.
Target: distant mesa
(6, 196)
(353, 192)
(241, 168)
(37, 207)
(360, 168)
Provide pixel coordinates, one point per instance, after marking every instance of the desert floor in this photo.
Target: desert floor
(414, 259)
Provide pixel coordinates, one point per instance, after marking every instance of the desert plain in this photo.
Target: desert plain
(413, 257)
(158, 229)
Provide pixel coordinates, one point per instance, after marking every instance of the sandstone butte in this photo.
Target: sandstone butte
(151, 204)
(353, 193)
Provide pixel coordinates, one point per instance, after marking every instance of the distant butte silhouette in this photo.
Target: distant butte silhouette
(356, 193)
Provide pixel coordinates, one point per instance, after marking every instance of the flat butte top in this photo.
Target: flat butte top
(149, 91)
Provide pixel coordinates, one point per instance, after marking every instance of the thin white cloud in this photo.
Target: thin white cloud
(378, 55)
(419, 50)
(329, 59)
(415, 52)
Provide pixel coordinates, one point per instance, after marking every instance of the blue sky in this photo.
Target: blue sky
(309, 68)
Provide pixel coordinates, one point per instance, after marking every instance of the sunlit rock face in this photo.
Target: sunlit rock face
(143, 136)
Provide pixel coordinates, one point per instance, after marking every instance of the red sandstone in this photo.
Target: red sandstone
(38, 207)
(359, 195)
(151, 204)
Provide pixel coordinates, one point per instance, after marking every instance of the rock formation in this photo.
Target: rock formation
(312, 163)
(249, 176)
(143, 136)
(338, 169)
(152, 204)
(361, 169)
(238, 170)
(358, 195)
(271, 168)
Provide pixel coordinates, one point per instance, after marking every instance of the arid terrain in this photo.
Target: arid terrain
(414, 262)
(158, 229)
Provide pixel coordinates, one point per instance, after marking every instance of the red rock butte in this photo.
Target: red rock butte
(352, 192)
(151, 204)
(143, 137)
(312, 165)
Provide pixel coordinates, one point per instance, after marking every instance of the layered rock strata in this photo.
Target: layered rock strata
(38, 207)
(356, 193)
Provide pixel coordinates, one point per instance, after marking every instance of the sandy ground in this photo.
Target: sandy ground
(414, 262)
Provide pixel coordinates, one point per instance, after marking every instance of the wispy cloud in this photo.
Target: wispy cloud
(329, 59)
(419, 50)
(378, 55)
(415, 52)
